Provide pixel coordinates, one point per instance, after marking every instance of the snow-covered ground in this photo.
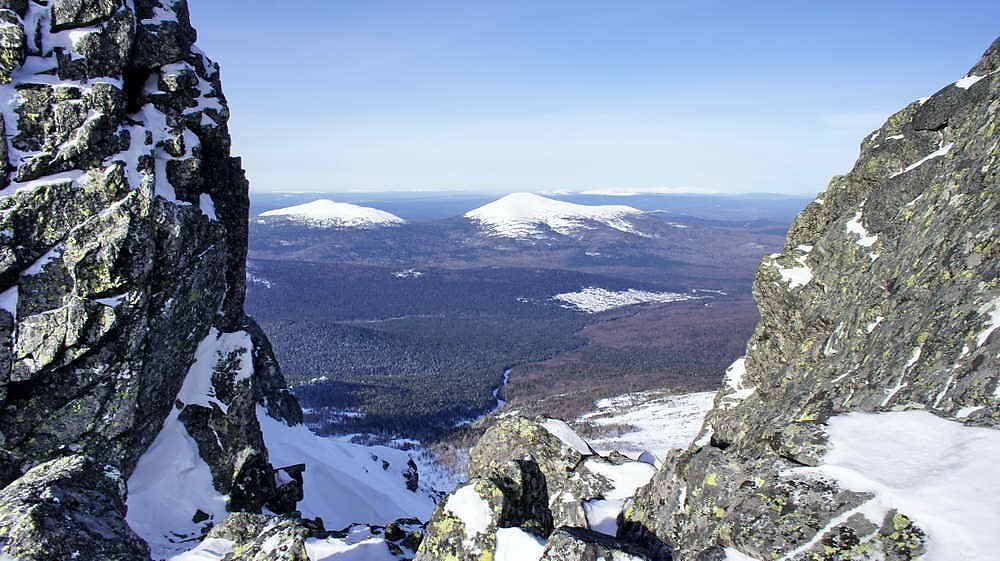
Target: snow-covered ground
(651, 421)
(324, 213)
(523, 215)
(343, 483)
(594, 300)
(939, 472)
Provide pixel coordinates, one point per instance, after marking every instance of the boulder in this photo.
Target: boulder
(68, 508)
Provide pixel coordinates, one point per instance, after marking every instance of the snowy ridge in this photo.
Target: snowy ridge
(527, 215)
(324, 213)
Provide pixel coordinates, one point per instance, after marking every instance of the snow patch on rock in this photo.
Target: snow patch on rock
(471, 509)
(602, 514)
(935, 154)
(992, 312)
(940, 473)
(733, 389)
(567, 435)
(514, 544)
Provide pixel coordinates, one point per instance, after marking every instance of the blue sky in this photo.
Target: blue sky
(551, 94)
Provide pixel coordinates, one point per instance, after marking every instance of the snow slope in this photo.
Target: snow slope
(526, 215)
(647, 421)
(324, 213)
(345, 483)
(939, 472)
(171, 480)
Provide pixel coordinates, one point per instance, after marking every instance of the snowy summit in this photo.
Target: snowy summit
(522, 215)
(324, 213)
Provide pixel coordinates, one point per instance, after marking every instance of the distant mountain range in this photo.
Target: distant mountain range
(517, 216)
(417, 206)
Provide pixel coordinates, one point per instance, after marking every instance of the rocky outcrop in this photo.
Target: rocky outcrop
(532, 482)
(123, 230)
(885, 300)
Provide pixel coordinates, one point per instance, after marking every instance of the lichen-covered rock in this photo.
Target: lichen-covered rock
(68, 508)
(266, 538)
(533, 475)
(404, 537)
(541, 474)
(463, 528)
(123, 229)
(81, 13)
(885, 298)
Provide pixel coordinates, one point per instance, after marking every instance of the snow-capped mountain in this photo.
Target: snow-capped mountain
(524, 215)
(324, 213)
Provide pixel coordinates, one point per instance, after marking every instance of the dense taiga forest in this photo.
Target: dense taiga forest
(407, 330)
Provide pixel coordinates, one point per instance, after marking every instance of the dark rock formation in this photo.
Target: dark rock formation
(123, 231)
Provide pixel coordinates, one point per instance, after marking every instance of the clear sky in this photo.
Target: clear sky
(549, 94)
